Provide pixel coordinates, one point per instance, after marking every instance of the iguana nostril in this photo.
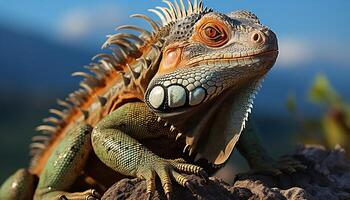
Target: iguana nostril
(257, 37)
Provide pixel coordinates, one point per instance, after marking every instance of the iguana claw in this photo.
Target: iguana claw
(168, 170)
(88, 195)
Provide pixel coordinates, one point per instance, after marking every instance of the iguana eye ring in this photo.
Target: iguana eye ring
(212, 33)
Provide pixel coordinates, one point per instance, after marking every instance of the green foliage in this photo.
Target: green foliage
(333, 126)
(322, 92)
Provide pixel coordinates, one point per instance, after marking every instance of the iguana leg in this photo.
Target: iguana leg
(19, 186)
(259, 160)
(64, 166)
(115, 142)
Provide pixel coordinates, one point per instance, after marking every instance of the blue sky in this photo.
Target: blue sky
(307, 29)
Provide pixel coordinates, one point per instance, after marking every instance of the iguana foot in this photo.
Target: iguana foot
(87, 195)
(285, 165)
(168, 170)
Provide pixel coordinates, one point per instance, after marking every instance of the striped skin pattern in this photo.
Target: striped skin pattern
(164, 101)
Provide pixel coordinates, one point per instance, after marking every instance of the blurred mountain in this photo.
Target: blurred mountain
(31, 62)
(34, 72)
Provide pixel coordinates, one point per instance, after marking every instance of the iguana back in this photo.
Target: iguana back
(114, 79)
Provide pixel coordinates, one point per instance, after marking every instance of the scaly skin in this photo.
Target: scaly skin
(192, 80)
(116, 141)
(63, 168)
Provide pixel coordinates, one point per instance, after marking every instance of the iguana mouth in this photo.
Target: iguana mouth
(226, 58)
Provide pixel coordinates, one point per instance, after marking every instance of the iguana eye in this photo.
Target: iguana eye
(212, 34)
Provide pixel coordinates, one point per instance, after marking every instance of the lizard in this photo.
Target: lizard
(171, 100)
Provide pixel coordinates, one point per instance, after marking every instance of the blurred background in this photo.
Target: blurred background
(304, 98)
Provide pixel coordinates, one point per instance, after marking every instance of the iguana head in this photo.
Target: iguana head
(211, 66)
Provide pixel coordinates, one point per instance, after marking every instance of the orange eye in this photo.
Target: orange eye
(213, 34)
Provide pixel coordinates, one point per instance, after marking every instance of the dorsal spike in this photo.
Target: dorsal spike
(183, 9)
(121, 53)
(64, 104)
(86, 87)
(106, 66)
(135, 28)
(143, 62)
(149, 20)
(46, 129)
(108, 58)
(38, 138)
(72, 98)
(93, 83)
(200, 6)
(123, 36)
(77, 97)
(37, 145)
(166, 14)
(178, 10)
(83, 74)
(52, 120)
(190, 7)
(172, 9)
(128, 46)
(89, 77)
(102, 100)
(58, 113)
(135, 74)
(160, 15)
(195, 6)
(83, 93)
(119, 56)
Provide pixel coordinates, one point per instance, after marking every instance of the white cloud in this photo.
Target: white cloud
(294, 52)
(82, 23)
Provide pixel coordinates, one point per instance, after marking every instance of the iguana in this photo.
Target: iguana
(170, 100)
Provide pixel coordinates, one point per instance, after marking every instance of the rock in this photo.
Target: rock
(327, 177)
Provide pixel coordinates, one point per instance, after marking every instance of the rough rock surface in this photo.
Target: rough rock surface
(327, 177)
